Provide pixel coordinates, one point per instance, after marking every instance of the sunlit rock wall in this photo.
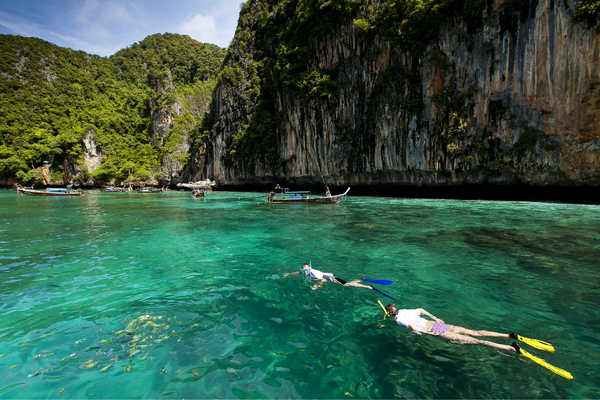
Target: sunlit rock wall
(517, 101)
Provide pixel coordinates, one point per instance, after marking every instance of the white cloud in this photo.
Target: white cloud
(103, 23)
(23, 27)
(95, 14)
(5, 30)
(202, 28)
(95, 36)
(104, 26)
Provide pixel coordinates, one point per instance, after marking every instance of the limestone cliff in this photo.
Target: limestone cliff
(500, 91)
(176, 114)
(180, 75)
(92, 155)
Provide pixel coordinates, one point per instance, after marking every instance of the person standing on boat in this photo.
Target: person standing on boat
(432, 325)
(320, 278)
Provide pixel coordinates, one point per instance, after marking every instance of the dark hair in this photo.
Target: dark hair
(388, 308)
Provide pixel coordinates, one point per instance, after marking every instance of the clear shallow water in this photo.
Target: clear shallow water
(159, 295)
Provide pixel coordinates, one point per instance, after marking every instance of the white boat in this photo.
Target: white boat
(49, 191)
(205, 184)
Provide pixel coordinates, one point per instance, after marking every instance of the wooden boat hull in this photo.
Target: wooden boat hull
(338, 198)
(307, 201)
(33, 192)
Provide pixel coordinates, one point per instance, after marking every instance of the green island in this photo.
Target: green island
(99, 120)
(342, 199)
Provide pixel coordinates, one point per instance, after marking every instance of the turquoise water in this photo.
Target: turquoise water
(117, 295)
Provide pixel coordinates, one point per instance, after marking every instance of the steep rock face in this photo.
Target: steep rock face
(163, 111)
(92, 156)
(162, 108)
(180, 74)
(176, 115)
(516, 99)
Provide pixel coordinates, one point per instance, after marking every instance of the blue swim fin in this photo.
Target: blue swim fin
(385, 282)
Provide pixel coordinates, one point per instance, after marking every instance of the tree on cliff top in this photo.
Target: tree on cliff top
(187, 60)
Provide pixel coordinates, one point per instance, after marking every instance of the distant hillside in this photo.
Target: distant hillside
(96, 120)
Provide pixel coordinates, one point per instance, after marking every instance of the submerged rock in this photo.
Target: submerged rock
(143, 332)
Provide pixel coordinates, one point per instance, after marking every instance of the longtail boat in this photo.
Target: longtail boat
(49, 191)
(285, 196)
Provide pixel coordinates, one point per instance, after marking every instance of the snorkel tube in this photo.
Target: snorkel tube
(385, 312)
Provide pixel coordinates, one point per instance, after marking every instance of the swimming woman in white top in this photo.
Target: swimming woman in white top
(432, 325)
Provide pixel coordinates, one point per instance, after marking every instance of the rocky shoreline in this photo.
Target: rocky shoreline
(559, 194)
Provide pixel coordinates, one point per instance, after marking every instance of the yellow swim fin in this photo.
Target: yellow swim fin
(385, 313)
(558, 371)
(535, 343)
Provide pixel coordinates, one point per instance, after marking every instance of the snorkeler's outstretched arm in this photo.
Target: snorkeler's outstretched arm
(291, 273)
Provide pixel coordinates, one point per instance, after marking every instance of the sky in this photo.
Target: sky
(104, 26)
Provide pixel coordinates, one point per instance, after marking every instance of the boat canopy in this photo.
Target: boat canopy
(205, 184)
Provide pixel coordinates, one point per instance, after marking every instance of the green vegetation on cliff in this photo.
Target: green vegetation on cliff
(290, 30)
(187, 60)
(274, 51)
(401, 90)
(588, 12)
(51, 98)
